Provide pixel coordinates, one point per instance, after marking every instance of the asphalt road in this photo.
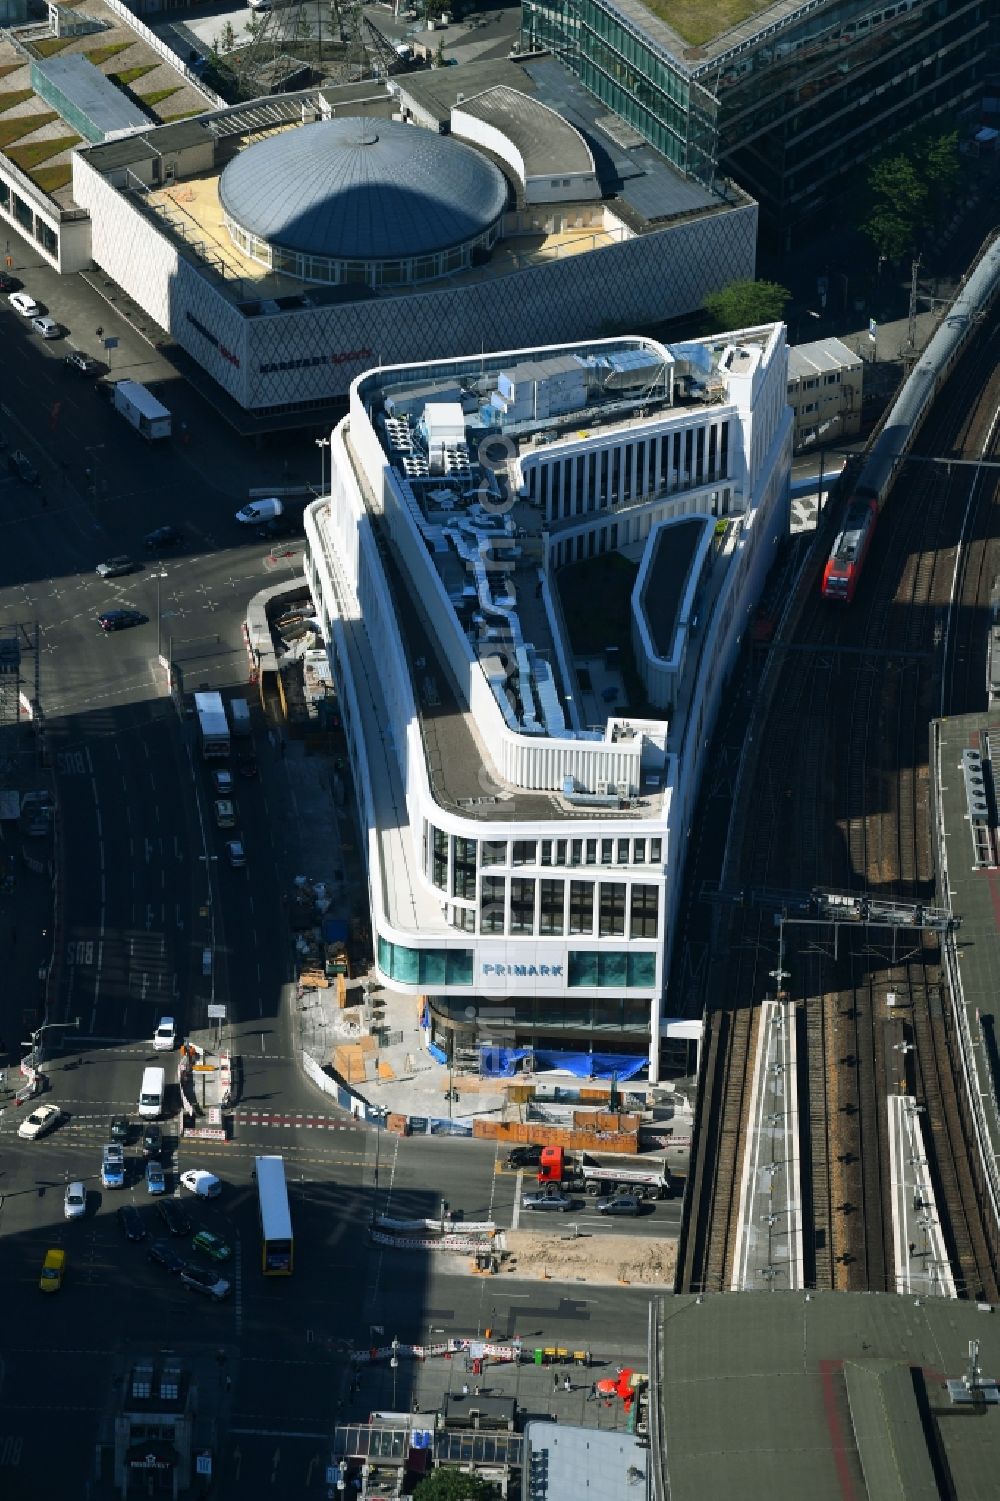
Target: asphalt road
(145, 889)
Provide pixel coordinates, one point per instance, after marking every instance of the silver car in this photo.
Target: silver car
(74, 1201)
(547, 1199)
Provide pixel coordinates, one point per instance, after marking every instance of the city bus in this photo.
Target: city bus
(276, 1244)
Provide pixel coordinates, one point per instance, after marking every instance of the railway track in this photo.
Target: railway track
(845, 804)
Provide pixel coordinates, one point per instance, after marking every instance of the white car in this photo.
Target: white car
(260, 510)
(165, 1036)
(74, 1201)
(40, 1121)
(25, 304)
(205, 1185)
(47, 327)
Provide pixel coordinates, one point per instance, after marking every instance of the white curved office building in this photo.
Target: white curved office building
(524, 795)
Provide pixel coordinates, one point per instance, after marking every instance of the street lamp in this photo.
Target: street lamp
(32, 1043)
(161, 574)
(322, 443)
(394, 1363)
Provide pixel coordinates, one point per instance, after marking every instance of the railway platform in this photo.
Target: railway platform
(769, 1233)
(921, 1264)
(966, 831)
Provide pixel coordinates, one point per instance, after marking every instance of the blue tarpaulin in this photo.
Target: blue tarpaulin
(502, 1063)
(438, 1054)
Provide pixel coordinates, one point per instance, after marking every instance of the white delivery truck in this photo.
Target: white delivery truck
(151, 1093)
(213, 725)
(141, 408)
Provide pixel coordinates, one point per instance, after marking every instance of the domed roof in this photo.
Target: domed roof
(366, 190)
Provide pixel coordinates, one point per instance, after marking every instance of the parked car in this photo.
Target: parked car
(172, 1214)
(198, 1181)
(18, 463)
(47, 327)
(25, 304)
(114, 568)
(162, 1253)
(43, 1118)
(8, 283)
(131, 1223)
(620, 1204)
(199, 1279)
(53, 1268)
(212, 1245)
(156, 1178)
(163, 536)
(547, 1199)
(81, 362)
(74, 1201)
(120, 620)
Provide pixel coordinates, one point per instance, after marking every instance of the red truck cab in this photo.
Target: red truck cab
(552, 1165)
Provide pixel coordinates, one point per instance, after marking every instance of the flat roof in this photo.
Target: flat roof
(697, 34)
(825, 1395)
(89, 92)
(675, 548)
(579, 1462)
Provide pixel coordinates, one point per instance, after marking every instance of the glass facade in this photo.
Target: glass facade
(790, 113)
(424, 966)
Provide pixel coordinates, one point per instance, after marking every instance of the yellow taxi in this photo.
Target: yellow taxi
(52, 1271)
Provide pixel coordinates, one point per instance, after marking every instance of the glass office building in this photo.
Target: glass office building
(789, 103)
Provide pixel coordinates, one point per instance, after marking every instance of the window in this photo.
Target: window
(424, 966)
(639, 850)
(522, 906)
(576, 852)
(551, 907)
(525, 852)
(439, 859)
(607, 848)
(622, 852)
(464, 918)
(463, 871)
(494, 852)
(581, 906)
(655, 846)
(832, 380)
(612, 911)
(591, 858)
(546, 852)
(561, 845)
(645, 911)
(491, 904)
(611, 969)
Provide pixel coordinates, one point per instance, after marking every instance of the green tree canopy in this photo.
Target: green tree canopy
(451, 1485)
(910, 188)
(745, 304)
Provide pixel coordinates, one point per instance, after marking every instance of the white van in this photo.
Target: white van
(260, 510)
(151, 1093)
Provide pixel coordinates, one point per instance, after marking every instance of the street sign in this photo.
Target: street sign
(203, 1464)
(203, 1068)
(216, 1012)
(111, 343)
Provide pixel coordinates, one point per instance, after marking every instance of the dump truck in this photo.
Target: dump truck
(647, 1177)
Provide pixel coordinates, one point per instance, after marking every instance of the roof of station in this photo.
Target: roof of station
(362, 189)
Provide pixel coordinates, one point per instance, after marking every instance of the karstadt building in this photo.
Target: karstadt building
(291, 243)
(525, 786)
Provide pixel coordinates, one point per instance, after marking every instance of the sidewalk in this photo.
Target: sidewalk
(28, 920)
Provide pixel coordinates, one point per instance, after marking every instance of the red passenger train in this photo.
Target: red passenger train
(844, 565)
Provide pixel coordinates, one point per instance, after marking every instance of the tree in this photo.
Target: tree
(898, 197)
(745, 304)
(452, 1485)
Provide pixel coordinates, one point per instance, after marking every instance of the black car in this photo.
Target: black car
(119, 1129)
(152, 1141)
(131, 1222)
(9, 283)
(163, 1254)
(526, 1156)
(248, 769)
(81, 362)
(173, 1217)
(18, 463)
(120, 620)
(164, 536)
(198, 1279)
(115, 568)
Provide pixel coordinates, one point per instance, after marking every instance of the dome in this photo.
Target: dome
(361, 190)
